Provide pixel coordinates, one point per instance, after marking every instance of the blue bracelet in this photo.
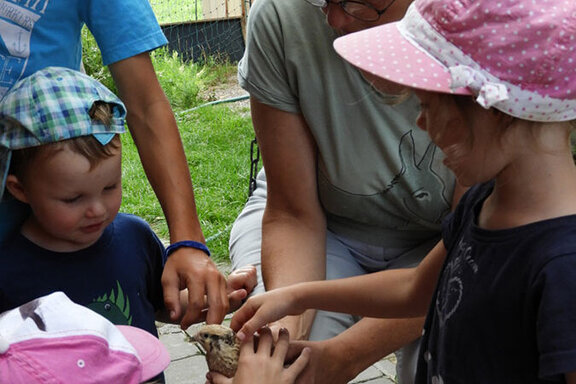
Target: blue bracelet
(187, 243)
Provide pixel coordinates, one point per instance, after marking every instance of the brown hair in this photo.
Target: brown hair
(507, 120)
(87, 146)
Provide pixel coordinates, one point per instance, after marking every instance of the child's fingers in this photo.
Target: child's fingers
(259, 311)
(239, 294)
(281, 347)
(245, 322)
(217, 378)
(265, 341)
(247, 347)
(235, 300)
(245, 277)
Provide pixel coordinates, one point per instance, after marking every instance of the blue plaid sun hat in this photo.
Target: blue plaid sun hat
(52, 105)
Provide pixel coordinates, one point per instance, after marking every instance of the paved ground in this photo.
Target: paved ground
(189, 367)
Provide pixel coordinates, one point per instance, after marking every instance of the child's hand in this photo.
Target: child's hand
(239, 285)
(263, 309)
(266, 364)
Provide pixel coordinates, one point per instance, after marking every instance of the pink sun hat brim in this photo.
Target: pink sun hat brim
(153, 355)
(384, 52)
(514, 55)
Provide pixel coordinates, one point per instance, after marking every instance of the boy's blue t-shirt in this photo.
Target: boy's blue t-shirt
(119, 276)
(12, 215)
(39, 34)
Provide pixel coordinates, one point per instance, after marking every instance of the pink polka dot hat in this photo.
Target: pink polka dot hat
(518, 56)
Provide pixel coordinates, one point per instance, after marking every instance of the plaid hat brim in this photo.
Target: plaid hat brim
(53, 105)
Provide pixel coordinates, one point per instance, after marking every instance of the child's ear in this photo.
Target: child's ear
(16, 189)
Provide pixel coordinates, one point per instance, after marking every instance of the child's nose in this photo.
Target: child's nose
(96, 208)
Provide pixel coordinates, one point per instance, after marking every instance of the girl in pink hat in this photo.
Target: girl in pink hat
(497, 84)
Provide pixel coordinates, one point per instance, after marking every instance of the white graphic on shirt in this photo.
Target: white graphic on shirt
(451, 286)
(450, 292)
(17, 20)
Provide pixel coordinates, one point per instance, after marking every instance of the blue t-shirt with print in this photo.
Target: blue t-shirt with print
(119, 276)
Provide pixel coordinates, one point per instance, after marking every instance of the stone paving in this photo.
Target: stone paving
(188, 365)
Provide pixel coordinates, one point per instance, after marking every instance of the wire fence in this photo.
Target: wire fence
(202, 29)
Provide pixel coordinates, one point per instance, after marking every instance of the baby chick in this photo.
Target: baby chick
(221, 346)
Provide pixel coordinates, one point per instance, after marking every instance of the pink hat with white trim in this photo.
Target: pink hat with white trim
(53, 340)
(518, 56)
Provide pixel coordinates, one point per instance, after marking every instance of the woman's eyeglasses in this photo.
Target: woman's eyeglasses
(357, 9)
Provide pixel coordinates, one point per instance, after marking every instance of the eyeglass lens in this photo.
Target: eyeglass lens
(357, 9)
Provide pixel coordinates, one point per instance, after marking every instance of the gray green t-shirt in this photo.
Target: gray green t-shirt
(380, 179)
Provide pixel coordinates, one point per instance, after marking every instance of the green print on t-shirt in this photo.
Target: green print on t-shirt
(114, 306)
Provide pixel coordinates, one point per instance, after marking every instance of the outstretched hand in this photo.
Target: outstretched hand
(262, 309)
(265, 363)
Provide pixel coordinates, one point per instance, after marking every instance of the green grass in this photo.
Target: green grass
(217, 145)
(216, 140)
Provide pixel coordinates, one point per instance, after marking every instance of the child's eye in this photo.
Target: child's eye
(111, 187)
(71, 200)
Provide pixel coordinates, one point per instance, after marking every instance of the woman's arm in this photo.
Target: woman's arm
(293, 226)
